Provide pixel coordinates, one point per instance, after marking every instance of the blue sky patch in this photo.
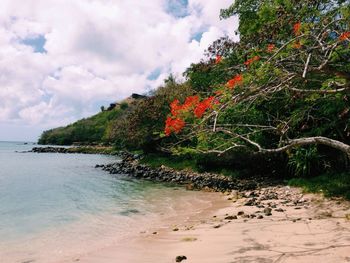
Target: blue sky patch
(154, 74)
(177, 8)
(37, 43)
(197, 36)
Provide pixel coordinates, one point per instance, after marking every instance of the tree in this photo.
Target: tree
(288, 86)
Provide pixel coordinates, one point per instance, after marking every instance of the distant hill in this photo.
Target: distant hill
(92, 130)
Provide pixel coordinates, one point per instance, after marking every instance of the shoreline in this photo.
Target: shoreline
(293, 227)
(263, 222)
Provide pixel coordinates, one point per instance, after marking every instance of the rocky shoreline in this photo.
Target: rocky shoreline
(130, 166)
(76, 149)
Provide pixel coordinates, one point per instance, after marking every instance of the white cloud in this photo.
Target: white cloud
(97, 51)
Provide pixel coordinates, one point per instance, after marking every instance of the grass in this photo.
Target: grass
(185, 163)
(331, 184)
(92, 150)
(175, 162)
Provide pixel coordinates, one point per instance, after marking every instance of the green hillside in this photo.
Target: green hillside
(86, 131)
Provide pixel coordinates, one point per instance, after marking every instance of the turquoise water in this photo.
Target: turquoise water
(59, 204)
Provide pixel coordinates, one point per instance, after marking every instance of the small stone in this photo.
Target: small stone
(180, 258)
(260, 217)
(297, 208)
(267, 211)
(217, 226)
(240, 213)
(175, 229)
(279, 210)
(230, 217)
(155, 233)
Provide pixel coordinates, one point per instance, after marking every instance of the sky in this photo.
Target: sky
(61, 60)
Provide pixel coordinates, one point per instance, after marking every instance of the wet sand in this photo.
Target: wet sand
(305, 228)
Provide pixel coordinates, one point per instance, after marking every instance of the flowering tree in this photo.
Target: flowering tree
(288, 84)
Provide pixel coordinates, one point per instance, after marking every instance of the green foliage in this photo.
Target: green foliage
(176, 162)
(86, 131)
(304, 161)
(143, 122)
(330, 184)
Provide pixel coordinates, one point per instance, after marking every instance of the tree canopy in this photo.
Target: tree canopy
(283, 87)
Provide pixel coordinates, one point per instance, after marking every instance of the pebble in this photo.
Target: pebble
(180, 258)
(230, 217)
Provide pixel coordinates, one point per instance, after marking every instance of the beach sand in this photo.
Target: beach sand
(305, 228)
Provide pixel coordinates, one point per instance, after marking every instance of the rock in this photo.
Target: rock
(267, 211)
(231, 217)
(240, 213)
(175, 229)
(180, 258)
(279, 210)
(217, 226)
(251, 202)
(155, 233)
(260, 217)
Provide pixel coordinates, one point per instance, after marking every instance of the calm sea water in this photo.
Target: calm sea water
(55, 205)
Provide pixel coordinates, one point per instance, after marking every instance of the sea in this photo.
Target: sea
(55, 207)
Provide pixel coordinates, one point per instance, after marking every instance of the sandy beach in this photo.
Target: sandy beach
(276, 224)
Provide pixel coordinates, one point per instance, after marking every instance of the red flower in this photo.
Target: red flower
(270, 48)
(218, 59)
(175, 107)
(190, 101)
(173, 125)
(203, 106)
(250, 61)
(237, 80)
(296, 28)
(344, 36)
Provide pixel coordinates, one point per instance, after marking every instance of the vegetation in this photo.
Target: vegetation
(277, 102)
(86, 131)
(284, 89)
(329, 184)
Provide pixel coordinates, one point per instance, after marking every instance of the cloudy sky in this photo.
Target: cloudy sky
(60, 60)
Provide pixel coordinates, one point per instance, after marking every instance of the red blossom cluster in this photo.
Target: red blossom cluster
(237, 80)
(345, 36)
(270, 48)
(203, 106)
(218, 59)
(251, 60)
(296, 28)
(173, 125)
(176, 107)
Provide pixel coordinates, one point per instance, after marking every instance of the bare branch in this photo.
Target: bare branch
(306, 65)
(309, 141)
